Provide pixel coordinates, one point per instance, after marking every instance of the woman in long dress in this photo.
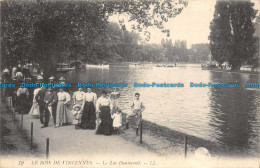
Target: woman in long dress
(114, 99)
(63, 114)
(88, 120)
(35, 111)
(104, 107)
(22, 97)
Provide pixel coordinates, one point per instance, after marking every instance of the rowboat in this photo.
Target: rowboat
(102, 66)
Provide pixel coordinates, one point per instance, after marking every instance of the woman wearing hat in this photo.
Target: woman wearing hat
(104, 107)
(114, 96)
(63, 114)
(35, 111)
(22, 97)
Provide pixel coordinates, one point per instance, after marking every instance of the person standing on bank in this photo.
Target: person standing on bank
(114, 96)
(40, 100)
(63, 114)
(35, 112)
(22, 97)
(88, 120)
(78, 97)
(103, 108)
(51, 80)
(137, 107)
(50, 99)
(54, 100)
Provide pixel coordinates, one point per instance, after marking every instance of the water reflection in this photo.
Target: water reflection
(225, 115)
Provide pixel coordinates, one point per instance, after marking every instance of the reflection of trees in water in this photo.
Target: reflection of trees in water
(234, 113)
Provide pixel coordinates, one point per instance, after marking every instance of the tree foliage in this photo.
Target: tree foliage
(48, 31)
(200, 52)
(232, 29)
(176, 52)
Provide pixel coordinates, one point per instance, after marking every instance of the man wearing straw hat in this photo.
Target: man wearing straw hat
(40, 100)
(50, 99)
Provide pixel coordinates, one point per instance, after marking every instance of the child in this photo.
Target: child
(77, 113)
(98, 122)
(117, 120)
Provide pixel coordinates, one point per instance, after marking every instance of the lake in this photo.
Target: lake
(228, 116)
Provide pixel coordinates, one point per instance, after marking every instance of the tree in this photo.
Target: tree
(181, 51)
(231, 37)
(46, 31)
(255, 59)
(200, 52)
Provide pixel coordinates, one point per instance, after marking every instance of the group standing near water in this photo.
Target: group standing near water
(102, 114)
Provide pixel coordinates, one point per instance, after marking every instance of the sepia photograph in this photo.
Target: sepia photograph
(129, 83)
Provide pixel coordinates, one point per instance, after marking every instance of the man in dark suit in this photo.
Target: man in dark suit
(40, 100)
(50, 106)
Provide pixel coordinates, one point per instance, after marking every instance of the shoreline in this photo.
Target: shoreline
(234, 71)
(171, 140)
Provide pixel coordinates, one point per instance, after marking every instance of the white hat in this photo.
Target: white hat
(19, 74)
(62, 78)
(51, 78)
(39, 77)
(6, 70)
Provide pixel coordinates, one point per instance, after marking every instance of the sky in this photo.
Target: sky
(191, 25)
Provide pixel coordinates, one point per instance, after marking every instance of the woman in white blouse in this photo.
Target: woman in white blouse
(104, 107)
(35, 111)
(63, 114)
(78, 97)
(88, 120)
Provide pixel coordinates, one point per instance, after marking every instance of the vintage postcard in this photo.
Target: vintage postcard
(129, 83)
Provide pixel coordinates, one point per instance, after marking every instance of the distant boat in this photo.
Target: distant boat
(64, 67)
(102, 66)
(134, 65)
(164, 66)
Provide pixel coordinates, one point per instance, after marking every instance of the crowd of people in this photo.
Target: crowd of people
(83, 109)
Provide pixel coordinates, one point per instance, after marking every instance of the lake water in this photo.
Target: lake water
(228, 116)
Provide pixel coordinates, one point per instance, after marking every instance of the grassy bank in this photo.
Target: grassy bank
(15, 141)
(166, 141)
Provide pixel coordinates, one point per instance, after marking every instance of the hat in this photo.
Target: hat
(62, 78)
(39, 77)
(6, 70)
(14, 69)
(76, 106)
(51, 78)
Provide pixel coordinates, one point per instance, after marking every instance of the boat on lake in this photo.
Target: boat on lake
(102, 66)
(165, 66)
(64, 67)
(135, 64)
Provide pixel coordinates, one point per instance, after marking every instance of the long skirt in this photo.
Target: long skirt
(35, 111)
(105, 126)
(88, 120)
(22, 104)
(63, 114)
